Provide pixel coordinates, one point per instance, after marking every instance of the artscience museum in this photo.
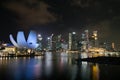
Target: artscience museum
(30, 42)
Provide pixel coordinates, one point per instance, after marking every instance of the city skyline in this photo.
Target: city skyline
(60, 17)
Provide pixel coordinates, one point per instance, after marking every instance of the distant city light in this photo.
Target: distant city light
(39, 37)
(52, 34)
(73, 32)
(48, 38)
(86, 31)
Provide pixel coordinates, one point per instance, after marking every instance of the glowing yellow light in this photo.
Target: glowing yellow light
(95, 72)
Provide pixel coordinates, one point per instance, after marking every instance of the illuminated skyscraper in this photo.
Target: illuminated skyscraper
(85, 40)
(70, 41)
(50, 42)
(74, 41)
(58, 42)
(95, 36)
(39, 39)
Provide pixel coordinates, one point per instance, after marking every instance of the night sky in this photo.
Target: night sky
(57, 16)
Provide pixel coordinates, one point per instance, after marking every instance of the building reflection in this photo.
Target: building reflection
(48, 63)
(53, 66)
(85, 71)
(89, 71)
(95, 72)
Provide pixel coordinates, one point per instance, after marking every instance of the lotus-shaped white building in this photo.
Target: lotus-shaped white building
(30, 43)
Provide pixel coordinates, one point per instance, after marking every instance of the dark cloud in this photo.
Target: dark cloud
(30, 12)
(83, 3)
(71, 13)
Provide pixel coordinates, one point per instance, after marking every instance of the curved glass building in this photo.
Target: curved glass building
(21, 42)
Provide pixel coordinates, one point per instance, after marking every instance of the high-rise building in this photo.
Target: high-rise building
(95, 36)
(50, 42)
(85, 41)
(39, 41)
(58, 42)
(49, 46)
(74, 41)
(70, 41)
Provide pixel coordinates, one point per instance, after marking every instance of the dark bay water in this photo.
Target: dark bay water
(55, 66)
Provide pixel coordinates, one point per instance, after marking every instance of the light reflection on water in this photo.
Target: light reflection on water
(55, 66)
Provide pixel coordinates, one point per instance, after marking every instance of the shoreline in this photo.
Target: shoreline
(32, 55)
